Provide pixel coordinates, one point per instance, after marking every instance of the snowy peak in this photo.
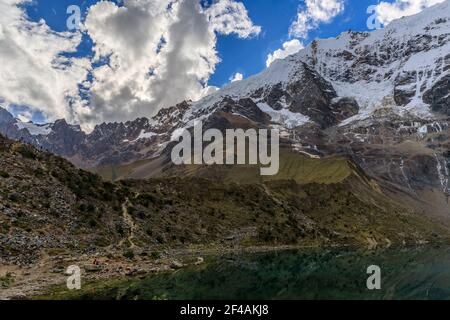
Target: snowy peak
(290, 92)
(34, 129)
(280, 74)
(399, 66)
(403, 70)
(26, 128)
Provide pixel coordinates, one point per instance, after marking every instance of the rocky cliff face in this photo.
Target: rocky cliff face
(379, 98)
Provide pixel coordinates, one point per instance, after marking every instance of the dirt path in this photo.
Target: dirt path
(128, 219)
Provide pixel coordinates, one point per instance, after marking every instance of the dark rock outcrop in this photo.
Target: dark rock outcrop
(439, 96)
(312, 96)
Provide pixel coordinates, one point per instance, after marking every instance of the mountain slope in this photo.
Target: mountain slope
(49, 207)
(378, 98)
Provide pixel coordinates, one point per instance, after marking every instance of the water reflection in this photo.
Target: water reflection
(419, 273)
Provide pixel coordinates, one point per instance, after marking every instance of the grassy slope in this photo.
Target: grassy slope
(309, 202)
(200, 211)
(292, 166)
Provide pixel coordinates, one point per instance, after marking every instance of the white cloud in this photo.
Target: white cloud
(390, 11)
(237, 77)
(315, 12)
(289, 48)
(156, 53)
(228, 16)
(181, 63)
(308, 18)
(208, 90)
(33, 72)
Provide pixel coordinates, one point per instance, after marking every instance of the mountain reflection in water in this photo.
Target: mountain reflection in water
(417, 273)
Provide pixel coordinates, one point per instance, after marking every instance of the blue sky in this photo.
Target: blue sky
(275, 17)
(246, 56)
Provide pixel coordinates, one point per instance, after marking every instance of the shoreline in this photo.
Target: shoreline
(49, 272)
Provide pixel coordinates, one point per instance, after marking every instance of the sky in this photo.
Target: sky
(100, 61)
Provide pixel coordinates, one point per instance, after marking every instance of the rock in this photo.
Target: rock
(57, 270)
(6, 117)
(175, 264)
(405, 88)
(438, 96)
(141, 272)
(345, 108)
(93, 268)
(131, 272)
(14, 197)
(312, 96)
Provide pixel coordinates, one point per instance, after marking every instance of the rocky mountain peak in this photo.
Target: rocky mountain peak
(406, 64)
(5, 116)
(380, 98)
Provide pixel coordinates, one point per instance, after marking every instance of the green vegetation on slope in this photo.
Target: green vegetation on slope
(48, 204)
(293, 166)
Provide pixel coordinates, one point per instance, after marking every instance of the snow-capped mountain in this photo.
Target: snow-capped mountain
(112, 143)
(381, 98)
(405, 65)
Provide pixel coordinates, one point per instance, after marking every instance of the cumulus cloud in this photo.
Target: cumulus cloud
(160, 53)
(237, 77)
(315, 12)
(228, 16)
(35, 72)
(148, 54)
(390, 11)
(289, 48)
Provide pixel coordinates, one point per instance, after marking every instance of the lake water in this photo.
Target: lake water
(419, 273)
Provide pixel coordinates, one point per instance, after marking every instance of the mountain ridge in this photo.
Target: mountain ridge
(364, 162)
(378, 98)
(48, 205)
